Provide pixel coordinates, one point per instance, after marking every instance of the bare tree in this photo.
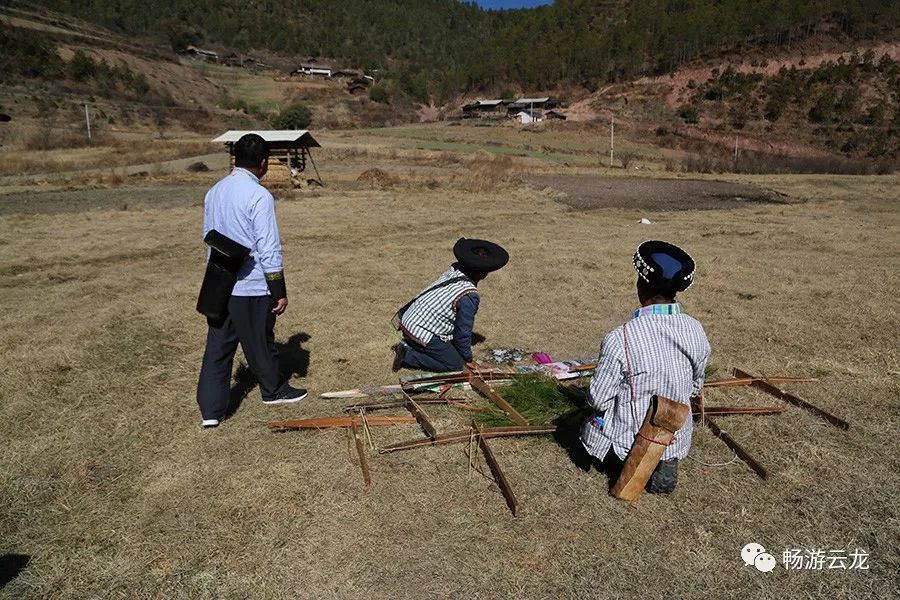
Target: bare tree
(160, 121)
(47, 117)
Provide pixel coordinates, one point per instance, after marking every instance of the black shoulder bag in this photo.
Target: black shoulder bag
(226, 257)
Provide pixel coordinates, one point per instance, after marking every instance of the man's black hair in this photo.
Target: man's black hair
(250, 150)
(650, 291)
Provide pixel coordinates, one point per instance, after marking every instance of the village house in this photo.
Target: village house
(289, 151)
(554, 114)
(201, 54)
(485, 108)
(526, 117)
(312, 69)
(347, 74)
(544, 103)
(245, 62)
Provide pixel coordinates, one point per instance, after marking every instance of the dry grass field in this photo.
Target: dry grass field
(111, 488)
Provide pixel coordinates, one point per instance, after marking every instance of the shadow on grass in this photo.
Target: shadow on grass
(568, 436)
(10, 567)
(293, 360)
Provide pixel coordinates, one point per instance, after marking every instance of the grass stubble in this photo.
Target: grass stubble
(108, 484)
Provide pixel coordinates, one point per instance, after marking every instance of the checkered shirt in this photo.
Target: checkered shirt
(668, 353)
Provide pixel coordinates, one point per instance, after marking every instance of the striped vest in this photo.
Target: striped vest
(434, 312)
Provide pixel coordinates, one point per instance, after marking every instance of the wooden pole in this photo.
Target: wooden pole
(339, 422)
(379, 405)
(361, 451)
(463, 435)
(747, 381)
(765, 385)
(499, 475)
(742, 454)
(721, 411)
(481, 386)
(612, 138)
(87, 121)
(421, 417)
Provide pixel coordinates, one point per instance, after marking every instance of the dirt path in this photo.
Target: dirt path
(586, 192)
(217, 161)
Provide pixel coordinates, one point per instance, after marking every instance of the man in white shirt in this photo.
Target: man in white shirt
(241, 209)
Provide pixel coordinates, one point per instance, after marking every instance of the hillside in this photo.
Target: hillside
(448, 47)
(818, 100)
(813, 79)
(52, 65)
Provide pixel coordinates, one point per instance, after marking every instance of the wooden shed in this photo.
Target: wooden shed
(289, 151)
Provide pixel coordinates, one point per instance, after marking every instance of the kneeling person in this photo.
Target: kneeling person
(437, 324)
(659, 351)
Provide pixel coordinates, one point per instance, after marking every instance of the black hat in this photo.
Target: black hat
(480, 255)
(664, 266)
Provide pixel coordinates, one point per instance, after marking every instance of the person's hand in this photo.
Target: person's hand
(473, 366)
(280, 306)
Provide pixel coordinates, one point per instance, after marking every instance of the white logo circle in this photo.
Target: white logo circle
(764, 562)
(750, 552)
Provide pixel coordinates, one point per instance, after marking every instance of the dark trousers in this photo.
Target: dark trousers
(438, 356)
(663, 480)
(251, 323)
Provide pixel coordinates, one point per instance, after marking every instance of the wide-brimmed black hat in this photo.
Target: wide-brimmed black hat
(666, 267)
(480, 255)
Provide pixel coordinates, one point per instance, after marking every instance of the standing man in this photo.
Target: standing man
(239, 208)
(660, 350)
(437, 324)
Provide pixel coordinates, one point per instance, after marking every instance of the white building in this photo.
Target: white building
(313, 69)
(527, 117)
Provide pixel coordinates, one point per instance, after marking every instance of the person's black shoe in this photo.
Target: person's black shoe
(664, 478)
(399, 353)
(288, 396)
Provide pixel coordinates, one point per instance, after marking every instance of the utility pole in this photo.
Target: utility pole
(612, 138)
(735, 150)
(87, 121)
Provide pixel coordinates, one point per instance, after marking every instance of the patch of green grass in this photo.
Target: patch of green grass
(537, 398)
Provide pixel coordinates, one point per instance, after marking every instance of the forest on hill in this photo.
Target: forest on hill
(440, 48)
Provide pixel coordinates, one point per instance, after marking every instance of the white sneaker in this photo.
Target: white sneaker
(209, 423)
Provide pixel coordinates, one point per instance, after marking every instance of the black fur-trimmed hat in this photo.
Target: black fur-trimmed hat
(664, 266)
(480, 255)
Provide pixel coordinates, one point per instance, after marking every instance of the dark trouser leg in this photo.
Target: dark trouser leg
(611, 465)
(438, 356)
(214, 386)
(664, 478)
(254, 323)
